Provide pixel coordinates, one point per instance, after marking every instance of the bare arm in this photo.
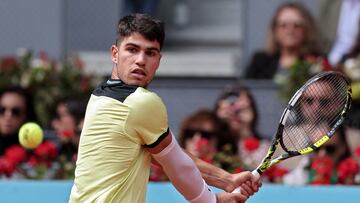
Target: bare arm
(213, 175)
(187, 178)
(228, 182)
(216, 176)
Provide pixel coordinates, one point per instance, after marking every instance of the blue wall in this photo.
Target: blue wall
(58, 192)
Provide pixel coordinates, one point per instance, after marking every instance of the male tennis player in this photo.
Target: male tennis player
(126, 126)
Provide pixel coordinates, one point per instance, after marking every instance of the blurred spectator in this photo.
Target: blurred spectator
(311, 118)
(292, 36)
(339, 26)
(203, 134)
(206, 136)
(350, 66)
(237, 107)
(16, 108)
(330, 164)
(67, 123)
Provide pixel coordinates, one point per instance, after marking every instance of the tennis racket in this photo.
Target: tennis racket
(310, 118)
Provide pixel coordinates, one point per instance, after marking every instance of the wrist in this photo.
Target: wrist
(229, 182)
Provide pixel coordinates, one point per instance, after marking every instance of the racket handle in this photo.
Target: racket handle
(257, 177)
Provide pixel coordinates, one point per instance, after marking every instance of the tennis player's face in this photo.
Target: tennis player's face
(136, 60)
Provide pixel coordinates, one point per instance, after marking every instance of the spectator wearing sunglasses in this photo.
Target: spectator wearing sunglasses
(203, 134)
(16, 108)
(292, 36)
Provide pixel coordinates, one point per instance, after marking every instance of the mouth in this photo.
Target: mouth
(139, 72)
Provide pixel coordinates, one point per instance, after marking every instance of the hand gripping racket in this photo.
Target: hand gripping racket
(310, 118)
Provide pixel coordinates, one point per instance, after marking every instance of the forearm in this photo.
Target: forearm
(184, 174)
(213, 175)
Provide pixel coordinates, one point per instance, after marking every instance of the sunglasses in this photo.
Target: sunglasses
(323, 102)
(15, 111)
(329, 149)
(204, 134)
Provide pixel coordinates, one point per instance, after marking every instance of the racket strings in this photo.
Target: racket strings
(315, 113)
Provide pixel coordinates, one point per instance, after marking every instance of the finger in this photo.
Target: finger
(256, 185)
(243, 177)
(239, 197)
(246, 190)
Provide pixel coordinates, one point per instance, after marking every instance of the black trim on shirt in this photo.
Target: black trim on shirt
(163, 136)
(115, 89)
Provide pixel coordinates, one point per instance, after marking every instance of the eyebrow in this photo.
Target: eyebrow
(147, 48)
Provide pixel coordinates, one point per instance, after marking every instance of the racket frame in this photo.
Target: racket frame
(267, 162)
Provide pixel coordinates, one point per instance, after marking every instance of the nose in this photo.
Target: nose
(7, 114)
(141, 59)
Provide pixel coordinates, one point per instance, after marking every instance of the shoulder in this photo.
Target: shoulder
(263, 57)
(144, 98)
(146, 102)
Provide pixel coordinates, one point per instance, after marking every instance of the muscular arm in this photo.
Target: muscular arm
(187, 178)
(228, 182)
(182, 171)
(213, 175)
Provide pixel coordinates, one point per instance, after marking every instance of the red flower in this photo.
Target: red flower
(237, 170)
(323, 165)
(43, 56)
(280, 172)
(8, 64)
(275, 173)
(78, 63)
(347, 168)
(45, 153)
(7, 167)
(251, 144)
(15, 154)
(66, 134)
(325, 64)
(46, 150)
(202, 144)
(33, 161)
(322, 181)
(206, 153)
(357, 151)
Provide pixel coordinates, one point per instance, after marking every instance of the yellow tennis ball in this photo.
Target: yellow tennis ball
(30, 135)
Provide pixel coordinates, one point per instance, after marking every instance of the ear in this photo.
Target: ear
(114, 53)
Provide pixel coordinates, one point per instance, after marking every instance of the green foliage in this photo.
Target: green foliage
(298, 73)
(46, 80)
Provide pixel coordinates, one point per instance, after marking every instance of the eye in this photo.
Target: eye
(131, 49)
(151, 53)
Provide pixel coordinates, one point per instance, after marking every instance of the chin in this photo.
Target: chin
(138, 83)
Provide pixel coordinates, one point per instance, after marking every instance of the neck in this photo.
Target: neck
(288, 56)
(290, 51)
